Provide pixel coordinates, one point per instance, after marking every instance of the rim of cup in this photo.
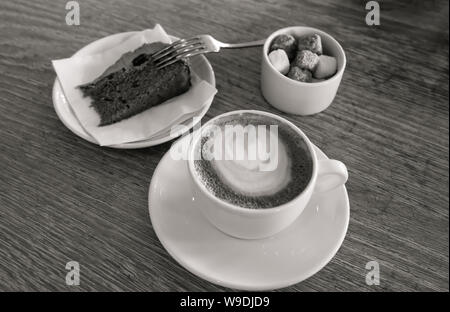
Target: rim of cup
(237, 208)
(289, 30)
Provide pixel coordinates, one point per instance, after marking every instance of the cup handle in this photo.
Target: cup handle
(331, 174)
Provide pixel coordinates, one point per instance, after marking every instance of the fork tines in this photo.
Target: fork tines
(179, 49)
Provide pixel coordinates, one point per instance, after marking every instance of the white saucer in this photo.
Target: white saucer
(285, 259)
(199, 63)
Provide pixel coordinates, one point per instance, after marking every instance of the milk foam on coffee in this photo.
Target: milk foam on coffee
(243, 167)
(233, 169)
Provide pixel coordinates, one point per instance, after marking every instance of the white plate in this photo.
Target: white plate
(199, 63)
(285, 259)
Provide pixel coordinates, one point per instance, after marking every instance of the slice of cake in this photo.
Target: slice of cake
(133, 84)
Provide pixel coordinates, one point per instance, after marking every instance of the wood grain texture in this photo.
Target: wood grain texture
(62, 198)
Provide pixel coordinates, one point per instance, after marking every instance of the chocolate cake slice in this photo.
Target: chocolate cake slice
(133, 84)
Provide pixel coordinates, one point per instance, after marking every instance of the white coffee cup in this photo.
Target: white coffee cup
(259, 223)
(296, 97)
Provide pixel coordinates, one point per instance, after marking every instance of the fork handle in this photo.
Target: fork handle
(242, 45)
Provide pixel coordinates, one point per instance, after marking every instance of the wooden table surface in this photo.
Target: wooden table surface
(62, 198)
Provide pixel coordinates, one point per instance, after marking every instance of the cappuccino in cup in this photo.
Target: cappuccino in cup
(252, 161)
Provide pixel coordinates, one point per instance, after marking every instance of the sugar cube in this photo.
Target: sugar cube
(279, 60)
(300, 74)
(326, 67)
(312, 43)
(306, 59)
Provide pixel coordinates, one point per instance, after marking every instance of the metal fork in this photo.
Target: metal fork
(200, 44)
